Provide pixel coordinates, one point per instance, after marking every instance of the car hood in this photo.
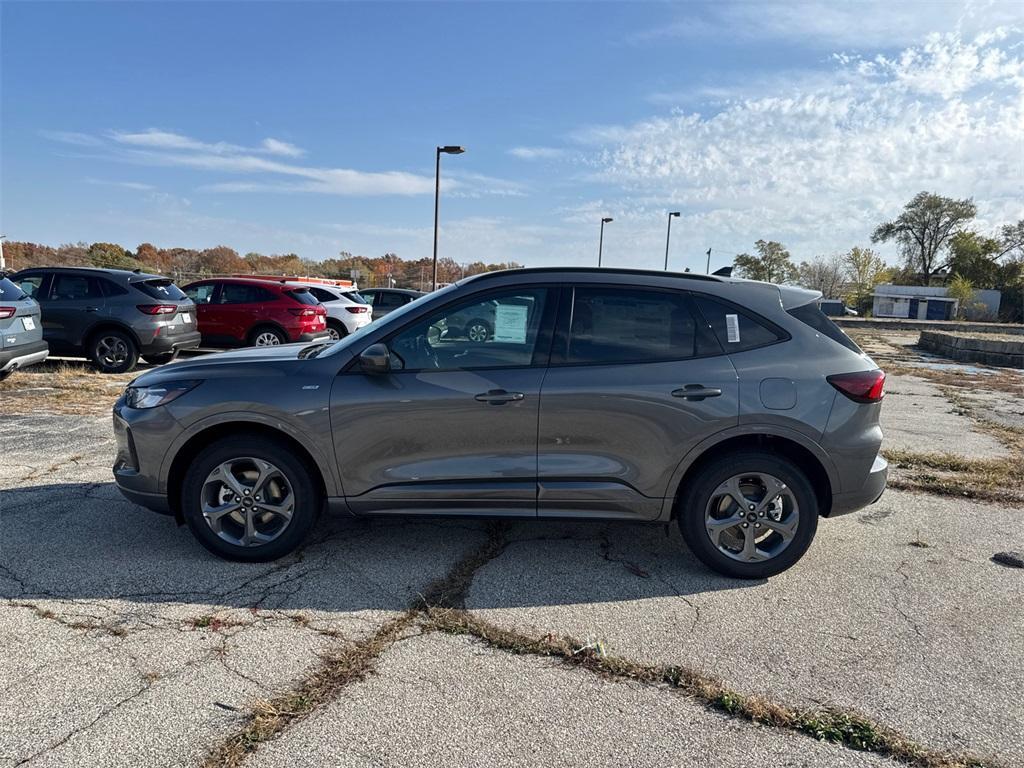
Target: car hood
(252, 361)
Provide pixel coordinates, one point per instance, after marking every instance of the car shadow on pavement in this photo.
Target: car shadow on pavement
(73, 541)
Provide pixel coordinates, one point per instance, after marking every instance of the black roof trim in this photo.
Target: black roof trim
(598, 271)
(110, 271)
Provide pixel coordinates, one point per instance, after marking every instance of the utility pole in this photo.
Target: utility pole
(600, 242)
(3, 263)
(446, 150)
(708, 270)
(668, 235)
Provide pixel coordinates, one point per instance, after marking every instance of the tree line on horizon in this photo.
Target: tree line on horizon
(186, 264)
(938, 247)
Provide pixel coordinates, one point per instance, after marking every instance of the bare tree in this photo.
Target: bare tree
(824, 273)
(922, 229)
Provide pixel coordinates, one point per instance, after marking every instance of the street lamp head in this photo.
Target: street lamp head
(607, 219)
(451, 150)
(674, 213)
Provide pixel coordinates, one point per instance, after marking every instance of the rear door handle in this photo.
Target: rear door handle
(696, 392)
(498, 397)
(92, 309)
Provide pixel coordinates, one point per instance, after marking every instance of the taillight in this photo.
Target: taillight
(861, 387)
(6, 312)
(357, 310)
(302, 311)
(158, 309)
(321, 311)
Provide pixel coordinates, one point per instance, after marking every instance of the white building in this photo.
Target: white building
(931, 303)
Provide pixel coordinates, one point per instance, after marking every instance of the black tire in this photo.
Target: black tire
(5, 374)
(698, 495)
(299, 476)
(478, 331)
(161, 359)
(113, 351)
(335, 327)
(269, 330)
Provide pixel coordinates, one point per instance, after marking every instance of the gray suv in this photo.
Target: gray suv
(735, 408)
(111, 316)
(21, 330)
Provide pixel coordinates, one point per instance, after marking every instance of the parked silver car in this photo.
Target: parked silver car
(735, 408)
(21, 330)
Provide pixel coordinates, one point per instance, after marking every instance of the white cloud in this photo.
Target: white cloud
(72, 137)
(275, 147)
(536, 153)
(817, 166)
(136, 185)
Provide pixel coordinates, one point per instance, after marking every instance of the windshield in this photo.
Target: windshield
(394, 318)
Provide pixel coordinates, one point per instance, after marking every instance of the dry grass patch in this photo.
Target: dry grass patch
(61, 387)
(951, 475)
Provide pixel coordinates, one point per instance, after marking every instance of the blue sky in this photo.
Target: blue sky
(310, 127)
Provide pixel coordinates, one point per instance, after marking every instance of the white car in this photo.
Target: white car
(347, 311)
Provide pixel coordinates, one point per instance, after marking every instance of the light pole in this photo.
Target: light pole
(668, 234)
(447, 150)
(600, 242)
(708, 271)
(3, 264)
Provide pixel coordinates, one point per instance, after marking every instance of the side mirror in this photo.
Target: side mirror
(375, 359)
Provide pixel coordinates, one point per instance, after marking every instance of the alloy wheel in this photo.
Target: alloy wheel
(111, 351)
(477, 333)
(247, 501)
(267, 339)
(752, 517)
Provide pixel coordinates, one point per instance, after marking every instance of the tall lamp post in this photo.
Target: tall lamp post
(668, 234)
(600, 242)
(3, 264)
(447, 150)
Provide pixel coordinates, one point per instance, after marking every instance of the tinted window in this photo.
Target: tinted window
(161, 289)
(735, 329)
(9, 291)
(75, 288)
(501, 331)
(110, 288)
(612, 325)
(389, 300)
(201, 294)
(811, 315)
(353, 296)
(369, 298)
(302, 296)
(323, 295)
(31, 284)
(239, 293)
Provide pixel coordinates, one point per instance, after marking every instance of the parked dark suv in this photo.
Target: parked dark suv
(735, 408)
(111, 316)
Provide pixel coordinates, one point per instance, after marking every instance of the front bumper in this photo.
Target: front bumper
(172, 343)
(23, 355)
(870, 492)
(134, 475)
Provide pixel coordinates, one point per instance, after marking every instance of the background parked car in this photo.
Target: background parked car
(347, 311)
(384, 300)
(111, 316)
(21, 330)
(835, 308)
(236, 311)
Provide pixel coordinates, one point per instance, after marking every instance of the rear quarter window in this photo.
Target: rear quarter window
(736, 329)
(811, 314)
(303, 296)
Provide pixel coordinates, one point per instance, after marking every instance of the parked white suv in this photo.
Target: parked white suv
(347, 311)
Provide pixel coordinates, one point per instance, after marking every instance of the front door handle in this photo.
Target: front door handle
(92, 309)
(696, 392)
(498, 397)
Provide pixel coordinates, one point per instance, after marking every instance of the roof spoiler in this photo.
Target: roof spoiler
(723, 272)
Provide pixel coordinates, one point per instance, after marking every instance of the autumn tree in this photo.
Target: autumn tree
(865, 269)
(772, 264)
(924, 227)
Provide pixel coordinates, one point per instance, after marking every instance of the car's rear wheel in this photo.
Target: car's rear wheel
(249, 499)
(749, 515)
(336, 330)
(266, 336)
(113, 351)
(478, 331)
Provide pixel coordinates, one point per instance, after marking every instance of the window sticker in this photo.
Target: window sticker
(732, 328)
(510, 323)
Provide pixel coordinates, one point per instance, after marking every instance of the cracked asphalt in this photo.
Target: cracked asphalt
(126, 643)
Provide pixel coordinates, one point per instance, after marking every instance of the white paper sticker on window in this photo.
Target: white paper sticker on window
(510, 323)
(732, 328)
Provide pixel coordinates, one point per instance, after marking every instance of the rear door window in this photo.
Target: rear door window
(110, 288)
(75, 288)
(612, 326)
(736, 329)
(239, 293)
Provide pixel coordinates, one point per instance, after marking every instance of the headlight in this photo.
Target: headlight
(157, 394)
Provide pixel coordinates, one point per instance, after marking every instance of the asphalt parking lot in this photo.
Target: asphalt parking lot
(424, 642)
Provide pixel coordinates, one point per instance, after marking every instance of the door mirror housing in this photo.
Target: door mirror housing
(375, 359)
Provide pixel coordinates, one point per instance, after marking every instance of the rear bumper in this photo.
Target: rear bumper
(162, 344)
(870, 492)
(318, 336)
(23, 355)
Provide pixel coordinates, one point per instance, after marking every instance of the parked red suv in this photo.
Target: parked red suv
(237, 311)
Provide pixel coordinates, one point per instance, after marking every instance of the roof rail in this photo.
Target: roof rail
(601, 271)
(297, 279)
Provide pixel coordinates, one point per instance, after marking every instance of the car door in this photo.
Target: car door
(452, 428)
(635, 382)
(204, 296)
(74, 304)
(240, 307)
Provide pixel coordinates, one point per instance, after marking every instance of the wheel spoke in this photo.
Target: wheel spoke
(281, 510)
(785, 528)
(213, 514)
(228, 478)
(750, 550)
(732, 488)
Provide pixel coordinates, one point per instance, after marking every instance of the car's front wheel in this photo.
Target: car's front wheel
(749, 515)
(249, 499)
